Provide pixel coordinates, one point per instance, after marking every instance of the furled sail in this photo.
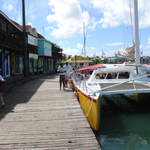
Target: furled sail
(128, 53)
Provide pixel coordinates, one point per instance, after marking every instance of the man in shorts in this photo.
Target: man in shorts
(62, 71)
(69, 70)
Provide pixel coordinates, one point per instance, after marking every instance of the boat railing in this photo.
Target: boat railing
(78, 78)
(114, 85)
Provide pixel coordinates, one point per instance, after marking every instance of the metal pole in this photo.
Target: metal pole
(26, 66)
(136, 33)
(84, 40)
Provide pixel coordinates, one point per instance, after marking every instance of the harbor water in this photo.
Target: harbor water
(125, 128)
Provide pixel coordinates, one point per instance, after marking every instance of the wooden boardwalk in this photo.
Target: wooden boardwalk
(40, 117)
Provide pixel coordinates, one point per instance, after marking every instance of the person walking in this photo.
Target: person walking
(61, 70)
(69, 70)
(2, 81)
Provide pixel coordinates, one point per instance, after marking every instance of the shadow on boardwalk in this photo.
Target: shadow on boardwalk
(22, 94)
(39, 116)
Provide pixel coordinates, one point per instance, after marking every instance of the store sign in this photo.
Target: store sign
(47, 49)
(32, 40)
(34, 56)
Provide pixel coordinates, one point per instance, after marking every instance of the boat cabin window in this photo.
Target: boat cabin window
(106, 76)
(148, 73)
(123, 75)
(111, 75)
(100, 75)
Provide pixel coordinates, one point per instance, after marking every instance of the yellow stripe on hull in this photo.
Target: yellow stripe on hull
(91, 109)
(135, 97)
(138, 97)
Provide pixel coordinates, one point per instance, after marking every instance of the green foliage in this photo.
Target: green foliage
(99, 61)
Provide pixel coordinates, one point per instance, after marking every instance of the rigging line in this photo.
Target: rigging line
(88, 25)
(84, 39)
(85, 32)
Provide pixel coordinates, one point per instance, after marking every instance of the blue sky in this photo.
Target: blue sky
(108, 23)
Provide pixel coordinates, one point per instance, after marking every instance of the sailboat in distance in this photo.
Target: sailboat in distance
(130, 80)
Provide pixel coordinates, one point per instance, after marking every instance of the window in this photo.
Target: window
(18, 64)
(100, 75)
(3, 26)
(148, 73)
(123, 75)
(111, 76)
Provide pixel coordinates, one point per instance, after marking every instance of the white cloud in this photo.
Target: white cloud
(30, 23)
(70, 51)
(114, 44)
(114, 12)
(8, 7)
(117, 12)
(144, 6)
(68, 16)
(78, 50)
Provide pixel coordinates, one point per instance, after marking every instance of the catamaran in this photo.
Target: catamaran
(131, 80)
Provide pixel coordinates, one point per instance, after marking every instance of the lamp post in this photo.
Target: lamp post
(26, 57)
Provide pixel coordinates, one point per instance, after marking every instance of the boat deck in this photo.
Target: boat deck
(38, 116)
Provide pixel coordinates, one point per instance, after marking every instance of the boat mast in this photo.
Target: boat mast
(84, 40)
(136, 33)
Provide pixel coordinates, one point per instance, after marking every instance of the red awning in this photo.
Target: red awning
(91, 67)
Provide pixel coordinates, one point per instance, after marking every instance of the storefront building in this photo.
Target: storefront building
(33, 55)
(11, 47)
(45, 61)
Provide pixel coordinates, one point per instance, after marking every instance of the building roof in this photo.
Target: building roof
(28, 29)
(41, 36)
(9, 20)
